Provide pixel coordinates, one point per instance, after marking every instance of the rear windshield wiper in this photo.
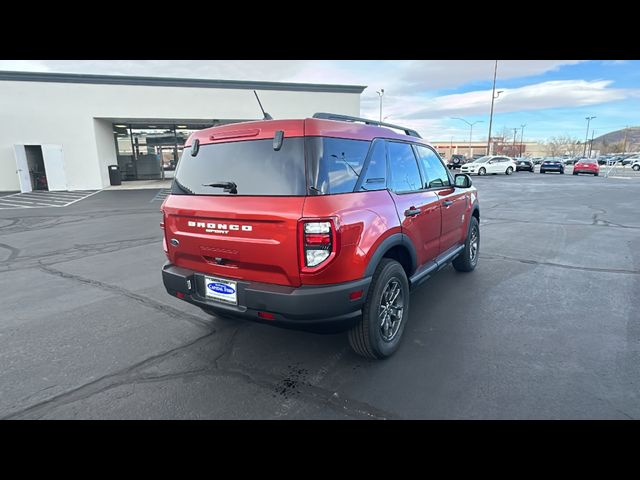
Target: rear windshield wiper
(229, 187)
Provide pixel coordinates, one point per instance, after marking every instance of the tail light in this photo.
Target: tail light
(317, 242)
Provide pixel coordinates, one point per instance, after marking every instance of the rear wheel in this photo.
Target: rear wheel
(596, 174)
(509, 171)
(468, 259)
(482, 171)
(636, 167)
(385, 313)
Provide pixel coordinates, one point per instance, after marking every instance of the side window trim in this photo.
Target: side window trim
(367, 161)
(415, 158)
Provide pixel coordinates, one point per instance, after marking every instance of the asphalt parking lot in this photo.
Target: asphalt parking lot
(547, 326)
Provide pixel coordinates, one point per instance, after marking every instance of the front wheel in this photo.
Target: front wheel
(385, 313)
(468, 259)
(482, 171)
(509, 171)
(636, 167)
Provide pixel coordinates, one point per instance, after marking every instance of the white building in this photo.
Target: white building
(61, 131)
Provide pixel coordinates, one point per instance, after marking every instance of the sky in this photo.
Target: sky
(549, 97)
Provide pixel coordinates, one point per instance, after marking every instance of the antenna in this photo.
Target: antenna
(266, 116)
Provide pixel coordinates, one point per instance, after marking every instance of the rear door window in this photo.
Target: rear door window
(403, 168)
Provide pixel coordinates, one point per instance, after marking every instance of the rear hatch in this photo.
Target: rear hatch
(234, 206)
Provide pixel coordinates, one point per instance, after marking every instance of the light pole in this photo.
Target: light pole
(380, 94)
(470, 132)
(494, 95)
(521, 137)
(515, 131)
(593, 132)
(586, 138)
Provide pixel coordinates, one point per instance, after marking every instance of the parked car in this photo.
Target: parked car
(524, 164)
(343, 220)
(552, 165)
(490, 164)
(456, 161)
(636, 165)
(587, 165)
(629, 159)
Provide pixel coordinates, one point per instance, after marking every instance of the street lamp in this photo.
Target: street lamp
(521, 137)
(586, 137)
(380, 94)
(515, 131)
(494, 95)
(470, 132)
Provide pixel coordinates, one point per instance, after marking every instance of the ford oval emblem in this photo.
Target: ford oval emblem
(221, 288)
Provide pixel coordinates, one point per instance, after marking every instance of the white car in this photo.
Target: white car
(489, 164)
(636, 165)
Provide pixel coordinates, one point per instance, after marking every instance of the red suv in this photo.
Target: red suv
(322, 224)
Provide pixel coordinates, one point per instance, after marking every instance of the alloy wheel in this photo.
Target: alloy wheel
(390, 310)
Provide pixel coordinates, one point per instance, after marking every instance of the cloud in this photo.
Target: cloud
(539, 96)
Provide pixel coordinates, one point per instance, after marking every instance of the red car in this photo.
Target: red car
(323, 224)
(586, 165)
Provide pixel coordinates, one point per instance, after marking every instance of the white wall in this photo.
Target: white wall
(73, 115)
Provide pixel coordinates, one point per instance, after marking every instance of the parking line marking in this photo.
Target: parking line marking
(44, 199)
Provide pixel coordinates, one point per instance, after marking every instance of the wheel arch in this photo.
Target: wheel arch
(398, 247)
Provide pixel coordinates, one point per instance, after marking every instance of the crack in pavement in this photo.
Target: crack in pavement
(135, 374)
(78, 251)
(596, 223)
(13, 251)
(560, 265)
(125, 376)
(146, 301)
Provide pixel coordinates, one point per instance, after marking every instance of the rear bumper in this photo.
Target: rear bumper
(584, 170)
(315, 308)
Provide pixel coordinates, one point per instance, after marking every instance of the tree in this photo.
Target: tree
(563, 145)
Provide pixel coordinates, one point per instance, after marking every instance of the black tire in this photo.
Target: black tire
(636, 168)
(366, 338)
(509, 171)
(482, 171)
(542, 171)
(465, 262)
(596, 174)
(575, 173)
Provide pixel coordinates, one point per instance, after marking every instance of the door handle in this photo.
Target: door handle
(411, 212)
(446, 203)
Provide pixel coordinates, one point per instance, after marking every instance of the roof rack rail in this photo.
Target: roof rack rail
(347, 118)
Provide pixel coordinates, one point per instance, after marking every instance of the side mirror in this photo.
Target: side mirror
(462, 180)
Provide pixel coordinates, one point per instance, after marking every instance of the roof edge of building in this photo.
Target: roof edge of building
(52, 77)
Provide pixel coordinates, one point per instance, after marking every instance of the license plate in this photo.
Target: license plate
(222, 290)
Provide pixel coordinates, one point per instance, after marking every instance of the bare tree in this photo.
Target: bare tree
(563, 145)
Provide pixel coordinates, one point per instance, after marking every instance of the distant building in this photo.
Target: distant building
(500, 147)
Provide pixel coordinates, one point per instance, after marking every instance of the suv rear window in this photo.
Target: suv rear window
(254, 166)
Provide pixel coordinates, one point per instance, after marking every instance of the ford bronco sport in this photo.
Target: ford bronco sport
(322, 224)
